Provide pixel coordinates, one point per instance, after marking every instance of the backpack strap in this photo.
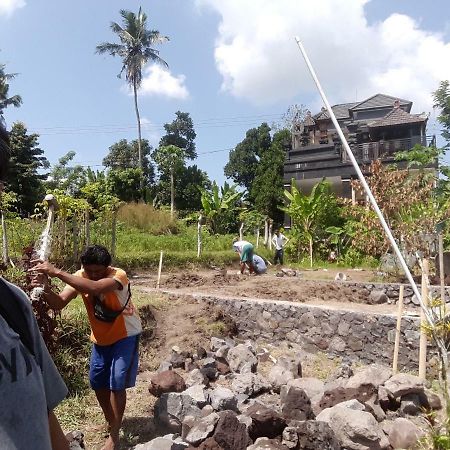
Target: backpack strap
(14, 315)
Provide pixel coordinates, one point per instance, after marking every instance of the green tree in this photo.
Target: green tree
(180, 132)
(244, 159)
(187, 193)
(267, 187)
(169, 159)
(220, 206)
(442, 101)
(135, 50)
(124, 184)
(125, 155)
(26, 161)
(310, 214)
(5, 101)
(67, 178)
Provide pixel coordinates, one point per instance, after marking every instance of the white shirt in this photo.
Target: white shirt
(278, 241)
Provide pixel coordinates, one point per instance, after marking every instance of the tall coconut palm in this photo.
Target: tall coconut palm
(136, 50)
(5, 101)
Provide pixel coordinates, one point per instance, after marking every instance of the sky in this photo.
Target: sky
(233, 64)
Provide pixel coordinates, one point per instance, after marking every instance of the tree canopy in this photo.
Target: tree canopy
(180, 132)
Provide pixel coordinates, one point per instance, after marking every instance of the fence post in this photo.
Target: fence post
(199, 236)
(87, 230)
(398, 329)
(423, 336)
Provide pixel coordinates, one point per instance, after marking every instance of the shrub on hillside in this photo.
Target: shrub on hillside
(144, 217)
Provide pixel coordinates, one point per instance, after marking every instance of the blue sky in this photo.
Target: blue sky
(232, 65)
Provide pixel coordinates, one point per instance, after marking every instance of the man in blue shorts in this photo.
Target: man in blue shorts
(115, 328)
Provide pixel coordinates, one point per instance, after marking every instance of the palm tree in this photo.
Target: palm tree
(136, 50)
(5, 101)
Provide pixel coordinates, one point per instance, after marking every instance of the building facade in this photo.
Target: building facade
(376, 128)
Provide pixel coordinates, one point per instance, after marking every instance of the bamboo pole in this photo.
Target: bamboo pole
(398, 329)
(199, 236)
(441, 270)
(241, 231)
(87, 231)
(423, 336)
(159, 269)
(257, 237)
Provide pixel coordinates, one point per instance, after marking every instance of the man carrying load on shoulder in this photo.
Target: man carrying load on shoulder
(245, 250)
(115, 328)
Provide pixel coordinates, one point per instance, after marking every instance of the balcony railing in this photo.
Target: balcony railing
(370, 151)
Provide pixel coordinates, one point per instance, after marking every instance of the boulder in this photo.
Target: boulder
(411, 404)
(230, 434)
(354, 429)
(404, 434)
(165, 382)
(217, 343)
(222, 398)
(374, 375)
(168, 442)
(197, 392)
(295, 404)
(196, 377)
(432, 400)
(208, 368)
(209, 444)
(264, 443)
(377, 297)
(172, 408)
(265, 422)
(250, 384)
(312, 386)
(279, 376)
(314, 435)
(202, 429)
(241, 359)
(338, 392)
(402, 383)
(290, 438)
(222, 365)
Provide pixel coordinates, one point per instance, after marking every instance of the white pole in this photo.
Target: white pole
(159, 269)
(398, 329)
(366, 187)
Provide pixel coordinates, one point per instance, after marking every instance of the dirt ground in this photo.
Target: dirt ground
(312, 287)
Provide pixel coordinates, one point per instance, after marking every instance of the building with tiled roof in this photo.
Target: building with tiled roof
(375, 128)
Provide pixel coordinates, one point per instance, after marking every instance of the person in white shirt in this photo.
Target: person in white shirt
(279, 240)
(245, 250)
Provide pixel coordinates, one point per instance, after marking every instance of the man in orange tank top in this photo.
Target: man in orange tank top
(115, 328)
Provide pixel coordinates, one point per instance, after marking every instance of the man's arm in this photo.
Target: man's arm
(80, 284)
(59, 441)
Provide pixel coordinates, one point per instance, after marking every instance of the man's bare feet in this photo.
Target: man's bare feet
(111, 444)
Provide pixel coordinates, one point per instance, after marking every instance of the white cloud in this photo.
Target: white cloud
(160, 82)
(7, 7)
(258, 59)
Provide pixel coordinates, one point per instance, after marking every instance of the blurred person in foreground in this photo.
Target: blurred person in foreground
(30, 385)
(115, 328)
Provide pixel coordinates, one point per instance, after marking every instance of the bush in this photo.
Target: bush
(146, 218)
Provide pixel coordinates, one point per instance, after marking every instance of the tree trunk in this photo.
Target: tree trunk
(141, 182)
(311, 251)
(199, 236)
(5, 255)
(241, 231)
(172, 194)
(270, 233)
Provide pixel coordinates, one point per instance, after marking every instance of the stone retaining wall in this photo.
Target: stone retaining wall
(367, 337)
(392, 290)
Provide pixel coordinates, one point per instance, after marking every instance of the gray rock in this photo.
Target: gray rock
(432, 400)
(377, 297)
(250, 384)
(171, 409)
(230, 433)
(374, 375)
(355, 430)
(217, 343)
(165, 365)
(279, 376)
(197, 392)
(402, 383)
(404, 434)
(222, 398)
(196, 377)
(312, 386)
(241, 359)
(295, 404)
(163, 443)
(290, 438)
(264, 443)
(202, 429)
(266, 422)
(411, 404)
(315, 435)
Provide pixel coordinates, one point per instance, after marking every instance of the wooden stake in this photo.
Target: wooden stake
(441, 270)
(398, 329)
(113, 233)
(159, 269)
(5, 255)
(199, 236)
(257, 237)
(423, 336)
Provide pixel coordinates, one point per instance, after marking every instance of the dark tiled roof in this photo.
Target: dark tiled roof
(380, 101)
(397, 117)
(341, 111)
